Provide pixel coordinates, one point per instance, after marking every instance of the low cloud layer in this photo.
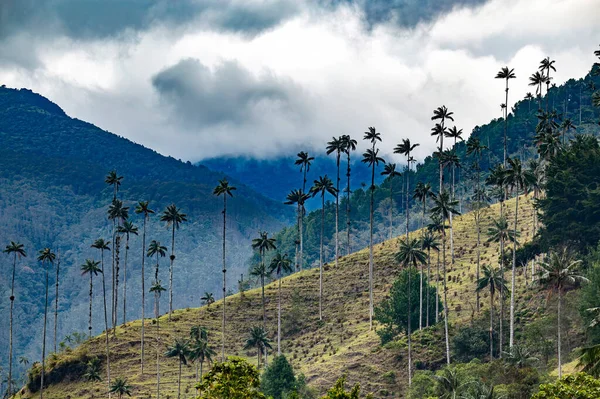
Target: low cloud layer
(267, 77)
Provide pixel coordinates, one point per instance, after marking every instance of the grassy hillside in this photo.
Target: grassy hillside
(322, 351)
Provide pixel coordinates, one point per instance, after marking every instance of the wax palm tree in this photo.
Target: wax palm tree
(537, 79)
(173, 217)
(120, 387)
(546, 65)
(208, 299)
(90, 267)
(449, 384)
(422, 192)
(45, 256)
(158, 250)
(259, 339)
(389, 169)
(336, 145)
(304, 161)
(299, 198)
(410, 254)
(506, 74)
(557, 275)
(18, 251)
(566, 126)
(114, 180)
(322, 186)
(56, 284)
(157, 289)
(180, 350)
(437, 226)
(280, 264)
(405, 148)
(128, 229)
(102, 245)
(444, 206)
(200, 352)
(263, 244)
(349, 146)
(442, 114)
(518, 179)
(118, 213)
(429, 241)
(456, 134)
(224, 189)
(143, 208)
(493, 280)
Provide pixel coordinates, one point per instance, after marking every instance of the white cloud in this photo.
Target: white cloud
(344, 75)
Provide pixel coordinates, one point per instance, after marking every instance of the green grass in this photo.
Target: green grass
(322, 351)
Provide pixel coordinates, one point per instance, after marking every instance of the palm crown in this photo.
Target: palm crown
(173, 216)
(411, 253)
(156, 249)
(101, 244)
(323, 185)
(46, 255)
(128, 228)
(304, 161)
(143, 207)
(15, 248)
(263, 243)
(90, 267)
(372, 135)
(280, 264)
(116, 211)
(506, 73)
(223, 188)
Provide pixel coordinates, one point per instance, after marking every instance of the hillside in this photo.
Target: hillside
(52, 194)
(322, 351)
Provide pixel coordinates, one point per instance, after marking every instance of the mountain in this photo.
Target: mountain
(52, 194)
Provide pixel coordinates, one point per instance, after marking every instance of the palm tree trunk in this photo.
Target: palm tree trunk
(172, 257)
(491, 324)
(258, 357)
(409, 328)
(427, 287)
(279, 320)
(513, 277)
(558, 335)
(44, 340)
(112, 305)
(116, 304)
(301, 221)
(477, 226)
(445, 297)
(179, 382)
(501, 324)
(262, 285)
(371, 249)
(143, 289)
(201, 364)
(391, 207)
(90, 320)
(349, 250)
(10, 339)
(321, 257)
(337, 210)
(505, 122)
(224, 280)
(56, 301)
(156, 314)
(125, 281)
(437, 289)
(105, 322)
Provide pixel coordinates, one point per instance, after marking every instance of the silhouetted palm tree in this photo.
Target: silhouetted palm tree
(173, 217)
(506, 73)
(441, 114)
(90, 267)
(389, 170)
(537, 79)
(280, 264)
(405, 148)
(263, 244)
(45, 256)
(180, 350)
(304, 161)
(428, 242)
(157, 289)
(493, 280)
(118, 213)
(349, 146)
(336, 145)
(102, 245)
(299, 198)
(546, 65)
(128, 228)
(456, 134)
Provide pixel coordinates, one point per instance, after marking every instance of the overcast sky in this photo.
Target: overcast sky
(204, 78)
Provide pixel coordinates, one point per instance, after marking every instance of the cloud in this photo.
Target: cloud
(195, 90)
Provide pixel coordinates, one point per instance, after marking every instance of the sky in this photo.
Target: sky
(198, 79)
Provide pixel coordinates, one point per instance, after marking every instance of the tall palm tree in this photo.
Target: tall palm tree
(437, 227)
(349, 146)
(56, 283)
(200, 352)
(322, 186)
(280, 264)
(259, 339)
(410, 254)
(45, 256)
(102, 245)
(224, 189)
(443, 207)
(118, 213)
(128, 228)
(493, 280)
(389, 170)
(537, 79)
(263, 244)
(405, 148)
(421, 193)
(546, 65)
(506, 73)
(558, 274)
(158, 250)
(17, 250)
(114, 180)
(304, 161)
(173, 217)
(157, 289)
(566, 126)
(428, 242)
(120, 387)
(143, 208)
(336, 145)
(456, 134)
(441, 114)
(450, 159)
(299, 198)
(90, 267)
(180, 350)
(518, 179)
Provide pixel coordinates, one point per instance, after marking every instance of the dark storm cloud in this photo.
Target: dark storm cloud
(229, 94)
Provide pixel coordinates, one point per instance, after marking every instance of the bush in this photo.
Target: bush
(471, 342)
(576, 386)
(278, 378)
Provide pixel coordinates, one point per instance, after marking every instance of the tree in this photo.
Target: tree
(157, 289)
(263, 244)
(349, 146)
(224, 189)
(180, 350)
(437, 227)
(160, 251)
(405, 148)
(45, 256)
(389, 170)
(259, 339)
(444, 207)
(90, 267)
(428, 242)
(234, 379)
(518, 179)
(372, 159)
(128, 228)
(537, 79)
(506, 74)
(456, 134)
(114, 180)
(208, 299)
(566, 126)
(441, 114)
(422, 192)
(173, 217)
(519, 357)
(546, 65)
(493, 280)
(304, 161)
(411, 254)
(558, 274)
(278, 380)
(56, 284)
(299, 198)
(200, 352)
(280, 264)
(102, 245)
(17, 250)
(118, 214)
(573, 386)
(336, 145)
(339, 392)
(120, 387)
(143, 208)
(92, 370)
(322, 186)
(449, 383)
